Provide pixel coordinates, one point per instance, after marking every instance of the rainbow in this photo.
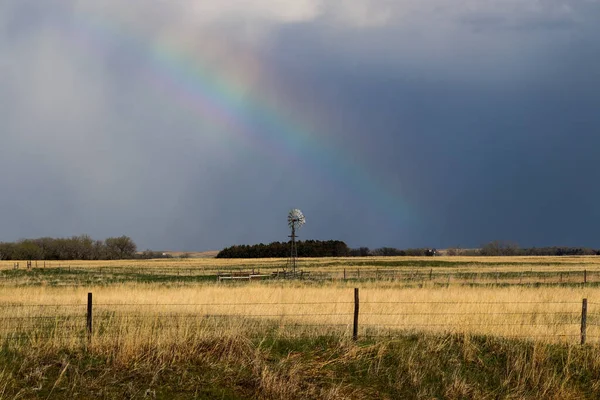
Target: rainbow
(226, 102)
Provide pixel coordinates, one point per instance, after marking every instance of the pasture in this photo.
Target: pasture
(407, 271)
(500, 327)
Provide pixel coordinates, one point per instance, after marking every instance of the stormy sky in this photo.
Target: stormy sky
(194, 125)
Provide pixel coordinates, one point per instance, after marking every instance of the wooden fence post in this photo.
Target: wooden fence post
(585, 276)
(431, 274)
(356, 306)
(583, 321)
(89, 316)
(344, 273)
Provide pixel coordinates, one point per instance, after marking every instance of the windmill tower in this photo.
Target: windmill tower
(295, 221)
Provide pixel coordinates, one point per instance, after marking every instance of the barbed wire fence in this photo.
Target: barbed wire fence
(537, 320)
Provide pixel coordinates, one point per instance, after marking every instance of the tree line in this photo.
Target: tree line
(314, 248)
(336, 248)
(74, 248)
(85, 248)
(306, 248)
(500, 248)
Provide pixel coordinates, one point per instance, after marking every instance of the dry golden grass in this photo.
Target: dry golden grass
(511, 270)
(142, 312)
(343, 262)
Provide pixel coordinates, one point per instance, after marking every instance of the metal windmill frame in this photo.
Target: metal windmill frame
(295, 221)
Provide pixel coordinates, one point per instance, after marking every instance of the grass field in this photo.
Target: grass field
(411, 271)
(498, 327)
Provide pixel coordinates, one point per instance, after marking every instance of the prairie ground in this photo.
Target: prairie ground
(499, 328)
(412, 271)
(549, 314)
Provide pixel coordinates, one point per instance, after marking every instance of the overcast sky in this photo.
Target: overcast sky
(194, 125)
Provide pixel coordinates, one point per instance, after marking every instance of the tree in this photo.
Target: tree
(27, 250)
(453, 251)
(499, 248)
(99, 251)
(7, 251)
(121, 247)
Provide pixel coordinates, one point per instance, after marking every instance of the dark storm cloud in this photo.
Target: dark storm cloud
(480, 119)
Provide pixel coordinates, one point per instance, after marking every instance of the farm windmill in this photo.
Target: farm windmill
(295, 221)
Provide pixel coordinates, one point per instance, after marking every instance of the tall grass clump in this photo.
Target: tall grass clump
(418, 366)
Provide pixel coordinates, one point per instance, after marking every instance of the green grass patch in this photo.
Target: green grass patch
(414, 366)
(66, 276)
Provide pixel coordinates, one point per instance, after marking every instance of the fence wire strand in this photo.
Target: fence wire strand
(34, 327)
